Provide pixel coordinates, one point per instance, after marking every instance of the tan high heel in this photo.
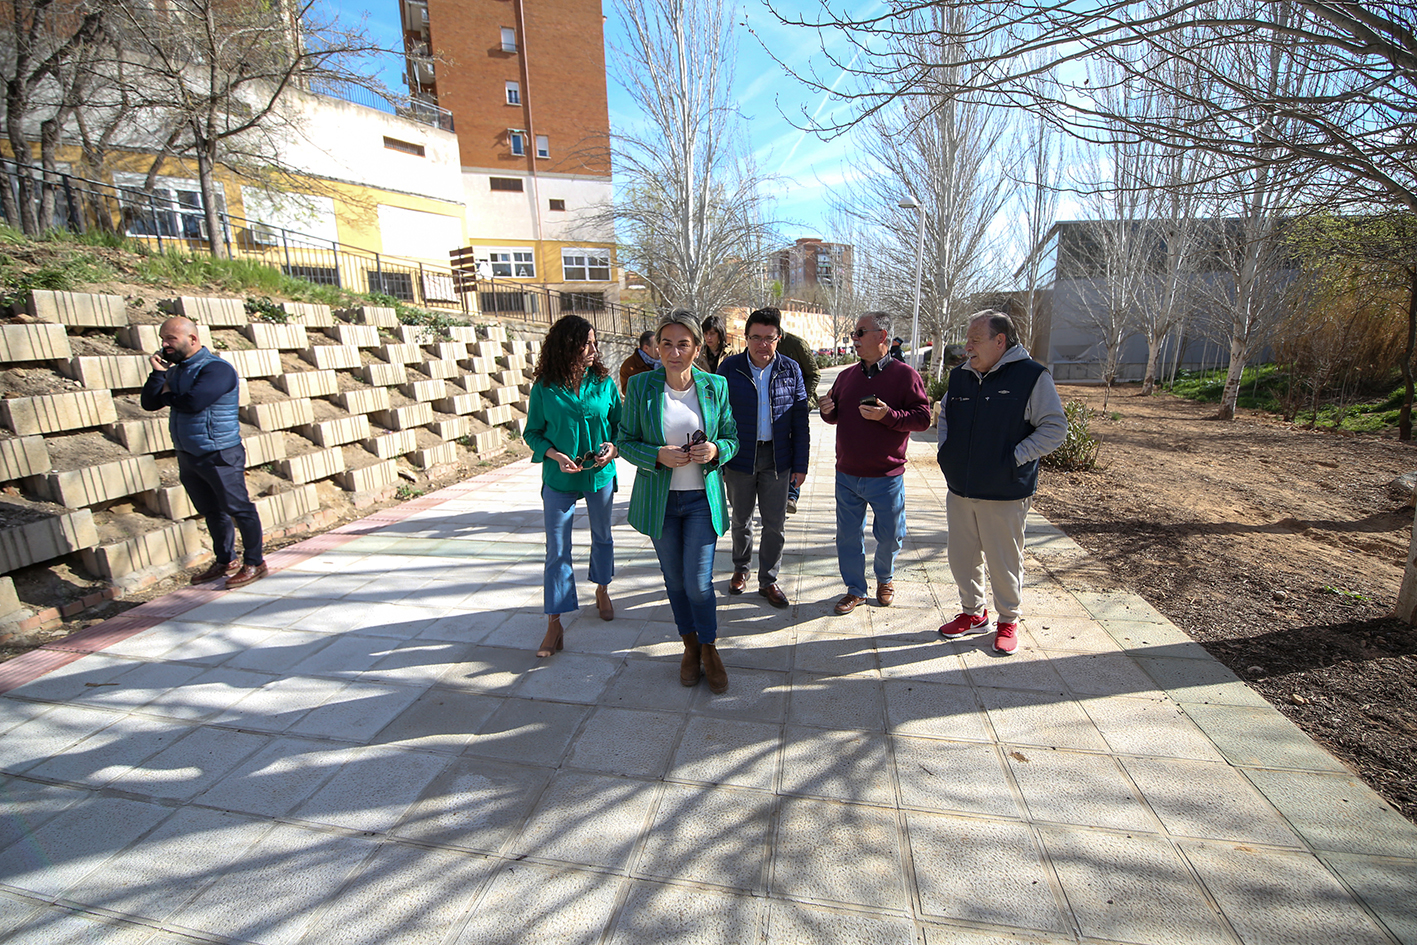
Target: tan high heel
(554, 641)
(602, 602)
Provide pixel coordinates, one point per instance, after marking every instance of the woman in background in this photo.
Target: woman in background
(677, 430)
(714, 347)
(572, 421)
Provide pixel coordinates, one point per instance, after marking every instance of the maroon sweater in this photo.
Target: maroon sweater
(877, 447)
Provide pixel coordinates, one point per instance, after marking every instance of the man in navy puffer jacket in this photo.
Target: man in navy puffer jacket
(200, 391)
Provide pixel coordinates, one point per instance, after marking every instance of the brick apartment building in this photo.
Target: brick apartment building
(525, 82)
(809, 265)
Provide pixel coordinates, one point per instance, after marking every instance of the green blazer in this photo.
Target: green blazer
(642, 434)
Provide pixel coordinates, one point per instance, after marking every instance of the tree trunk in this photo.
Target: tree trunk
(1153, 354)
(1404, 416)
(16, 106)
(208, 185)
(1407, 594)
(1231, 394)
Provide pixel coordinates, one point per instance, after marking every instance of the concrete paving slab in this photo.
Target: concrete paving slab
(364, 747)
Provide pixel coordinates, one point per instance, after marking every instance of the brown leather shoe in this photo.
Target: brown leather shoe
(739, 581)
(714, 672)
(689, 665)
(602, 602)
(215, 570)
(775, 595)
(885, 593)
(848, 603)
(248, 574)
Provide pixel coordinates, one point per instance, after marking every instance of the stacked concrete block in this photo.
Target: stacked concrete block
(499, 396)
(287, 507)
(280, 337)
(308, 383)
(384, 375)
(23, 456)
(515, 362)
(369, 478)
(434, 455)
(379, 316)
(450, 429)
(404, 418)
(263, 448)
(363, 400)
(312, 467)
(281, 415)
(358, 336)
(10, 601)
(459, 404)
(33, 343)
(466, 333)
(46, 539)
(440, 370)
(332, 357)
(147, 338)
(486, 349)
(486, 441)
(78, 309)
(336, 432)
(309, 315)
(169, 502)
(416, 334)
(473, 383)
(56, 413)
(92, 485)
(495, 333)
(448, 350)
(506, 378)
(218, 313)
(479, 365)
(494, 416)
(400, 353)
(114, 371)
(178, 544)
(256, 362)
(243, 392)
(424, 390)
(391, 444)
(141, 436)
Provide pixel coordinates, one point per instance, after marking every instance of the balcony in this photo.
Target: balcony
(404, 106)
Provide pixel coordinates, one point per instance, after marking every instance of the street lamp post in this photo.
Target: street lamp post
(909, 203)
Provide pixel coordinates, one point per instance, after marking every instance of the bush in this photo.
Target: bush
(936, 387)
(1080, 448)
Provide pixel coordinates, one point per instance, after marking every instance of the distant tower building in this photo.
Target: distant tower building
(810, 265)
(525, 82)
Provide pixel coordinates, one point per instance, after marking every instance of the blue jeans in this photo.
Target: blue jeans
(560, 509)
(685, 549)
(886, 497)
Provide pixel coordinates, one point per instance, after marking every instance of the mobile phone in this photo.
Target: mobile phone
(162, 356)
(870, 401)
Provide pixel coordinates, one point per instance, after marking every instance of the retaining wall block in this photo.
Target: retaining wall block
(146, 338)
(487, 440)
(496, 333)
(23, 456)
(506, 378)
(332, 357)
(281, 415)
(504, 395)
(424, 390)
(263, 448)
(392, 444)
(218, 313)
(113, 371)
(9, 600)
(169, 502)
(473, 383)
(450, 429)
(364, 400)
(78, 309)
(379, 316)
(416, 334)
(434, 455)
(460, 404)
(57, 413)
(400, 354)
(381, 375)
(284, 508)
(493, 416)
(479, 365)
(515, 362)
(280, 337)
(312, 466)
(467, 333)
(141, 436)
(33, 343)
(256, 362)
(308, 383)
(486, 349)
(448, 350)
(337, 432)
(82, 488)
(368, 478)
(360, 336)
(174, 544)
(309, 314)
(404, 418)
(46, 539)
(440, 370)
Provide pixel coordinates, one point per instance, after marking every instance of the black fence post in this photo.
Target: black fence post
(75, 223)
(157, 224)
(285, 244)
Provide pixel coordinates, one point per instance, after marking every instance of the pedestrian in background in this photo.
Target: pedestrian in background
(640, 360)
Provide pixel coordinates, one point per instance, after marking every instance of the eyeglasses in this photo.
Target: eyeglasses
(860, 333)
(594, 456)
(763, 339)
(694, 439)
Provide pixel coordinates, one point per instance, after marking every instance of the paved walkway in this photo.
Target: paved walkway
(363, 748)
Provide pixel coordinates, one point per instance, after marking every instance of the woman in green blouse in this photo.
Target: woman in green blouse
(571, 424)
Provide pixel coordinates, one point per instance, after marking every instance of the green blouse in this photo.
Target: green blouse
(576, 423)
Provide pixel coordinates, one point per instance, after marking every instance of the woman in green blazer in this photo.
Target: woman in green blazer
(572, 419)
(677, 429)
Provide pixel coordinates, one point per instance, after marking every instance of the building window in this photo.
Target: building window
(407, 147)
(557, 204)
(511, 184)
(512, 263)
(543, 146)
(509, 39)
(514, 93)
(175, 208)
(583, 301)
(585, 265)
(397, 284)
(320, 275)
(517, 140)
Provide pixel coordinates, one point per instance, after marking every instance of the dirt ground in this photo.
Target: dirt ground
(1279, 549)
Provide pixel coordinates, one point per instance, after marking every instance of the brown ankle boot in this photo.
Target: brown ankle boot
(713, 669)
(689, 666)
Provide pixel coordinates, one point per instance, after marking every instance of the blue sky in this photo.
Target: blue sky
(805, 166)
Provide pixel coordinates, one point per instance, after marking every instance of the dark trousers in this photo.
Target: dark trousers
(766, 488)
(216, 484)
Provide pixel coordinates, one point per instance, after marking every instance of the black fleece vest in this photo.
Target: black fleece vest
(984, 423)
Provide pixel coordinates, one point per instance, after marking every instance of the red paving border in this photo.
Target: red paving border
(51, 656)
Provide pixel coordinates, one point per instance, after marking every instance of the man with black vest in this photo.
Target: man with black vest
(200, 391)
(1001, 414)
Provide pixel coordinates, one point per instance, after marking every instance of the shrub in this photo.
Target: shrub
(266, 310)
(936, 387)
(1080, 448)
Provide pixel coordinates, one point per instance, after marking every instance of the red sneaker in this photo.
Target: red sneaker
(965, 623)
(1006, 640)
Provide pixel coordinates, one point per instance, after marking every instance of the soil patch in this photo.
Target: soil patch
(1279, 549)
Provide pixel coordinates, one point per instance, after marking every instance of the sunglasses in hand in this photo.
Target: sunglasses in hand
(594, 457)
(694, 439)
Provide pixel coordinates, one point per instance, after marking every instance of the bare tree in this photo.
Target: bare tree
(692, 206)
(1038, 178)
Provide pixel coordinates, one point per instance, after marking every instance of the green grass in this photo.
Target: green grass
(1374, 415)
(64, 275)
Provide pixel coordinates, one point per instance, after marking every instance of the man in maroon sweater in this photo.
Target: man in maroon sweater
(875, 406)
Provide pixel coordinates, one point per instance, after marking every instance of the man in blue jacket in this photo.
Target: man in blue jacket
(200, 391)
(769, 403)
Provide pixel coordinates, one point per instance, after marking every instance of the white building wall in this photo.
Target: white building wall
(507, 215)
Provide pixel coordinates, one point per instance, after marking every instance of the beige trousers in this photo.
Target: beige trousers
(983, 530)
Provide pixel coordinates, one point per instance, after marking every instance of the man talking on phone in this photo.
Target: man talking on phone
(200, 391)
(875, 406)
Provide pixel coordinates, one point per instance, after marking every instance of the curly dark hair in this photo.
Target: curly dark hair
(559, 364)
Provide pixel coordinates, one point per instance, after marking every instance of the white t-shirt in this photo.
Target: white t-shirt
(682, 417)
